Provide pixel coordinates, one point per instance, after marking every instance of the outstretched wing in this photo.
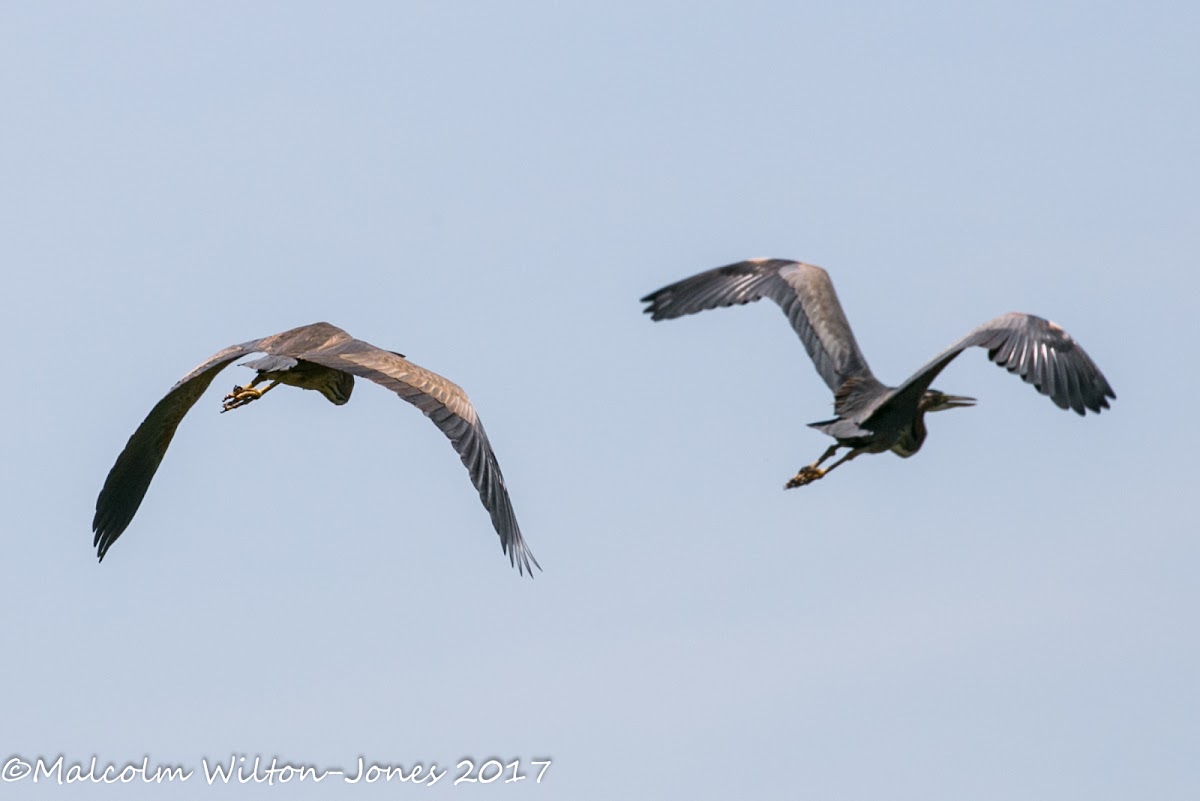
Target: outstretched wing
(803, 291)
(1037, 350)
(130, 477)
(447, 406)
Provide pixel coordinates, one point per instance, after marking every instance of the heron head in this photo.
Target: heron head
(936, 401)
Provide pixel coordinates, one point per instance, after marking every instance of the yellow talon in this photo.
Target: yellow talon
(240, 397)
(807, 475)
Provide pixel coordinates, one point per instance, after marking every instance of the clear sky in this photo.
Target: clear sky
(489, 188)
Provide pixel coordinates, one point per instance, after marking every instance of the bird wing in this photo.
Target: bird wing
(447, 406)
(130, 476)
(803, 291)
(1037, 350)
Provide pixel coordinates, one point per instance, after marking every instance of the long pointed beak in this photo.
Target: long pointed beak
(956, 401)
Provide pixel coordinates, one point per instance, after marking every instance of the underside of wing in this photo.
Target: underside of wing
(803, 291)
(447, 406)
(1038, 351)
(130, 477)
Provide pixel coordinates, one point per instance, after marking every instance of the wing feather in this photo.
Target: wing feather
(451, 411)
(1037, 350)
(130, 476)
(803, 291)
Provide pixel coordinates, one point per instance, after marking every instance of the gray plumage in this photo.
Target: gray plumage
(871, 416)
(324, 358)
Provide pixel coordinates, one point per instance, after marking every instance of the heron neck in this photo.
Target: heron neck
(911, 437)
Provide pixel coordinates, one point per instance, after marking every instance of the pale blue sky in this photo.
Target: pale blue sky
(489, 188)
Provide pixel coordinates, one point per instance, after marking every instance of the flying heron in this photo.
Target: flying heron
(873, 417)
(325, 358)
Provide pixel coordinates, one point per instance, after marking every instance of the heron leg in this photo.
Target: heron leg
(243, 395)
(812, 472)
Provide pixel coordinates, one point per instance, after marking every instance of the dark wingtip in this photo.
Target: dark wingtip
(654, 309)
(1100, 402)
(520, 557)
(102, 537)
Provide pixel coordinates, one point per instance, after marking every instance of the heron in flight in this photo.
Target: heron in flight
(324, 358)
(872, 417)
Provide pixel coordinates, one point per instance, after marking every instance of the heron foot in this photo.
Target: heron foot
(240, 397)
(807, 475)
